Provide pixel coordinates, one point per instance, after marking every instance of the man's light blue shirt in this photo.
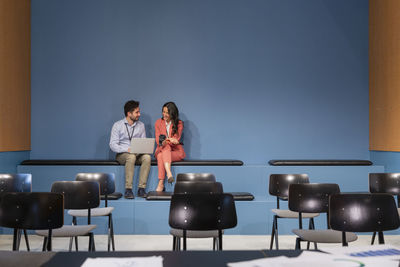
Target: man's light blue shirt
(119, 140)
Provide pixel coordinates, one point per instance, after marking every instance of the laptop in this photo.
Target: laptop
(142, 145)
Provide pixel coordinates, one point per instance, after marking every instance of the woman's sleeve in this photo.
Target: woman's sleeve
(180, 130)
(157, 132)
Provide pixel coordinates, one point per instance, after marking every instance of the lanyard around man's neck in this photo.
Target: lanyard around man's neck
(130, 135)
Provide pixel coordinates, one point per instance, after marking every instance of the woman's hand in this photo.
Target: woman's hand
(173, 141)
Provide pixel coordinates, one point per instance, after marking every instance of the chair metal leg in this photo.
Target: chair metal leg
(26, 240)
(274, 234)
(109, 233)
(344, 241)
(381, 238)
(214, 243)
(173, 243)
(44, 243)
(49, 244)
(298, 243)
(15, 240)
(112, 233)
(373, 238)
(220, 239)
(184, 240)
(271, 244)
(91, 242)
(75, 222)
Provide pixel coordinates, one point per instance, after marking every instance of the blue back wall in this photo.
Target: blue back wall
(254, 80)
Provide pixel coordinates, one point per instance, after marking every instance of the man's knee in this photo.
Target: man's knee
(146, 158)
(131, 158)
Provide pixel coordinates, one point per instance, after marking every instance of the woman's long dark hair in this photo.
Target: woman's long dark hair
(173, 114)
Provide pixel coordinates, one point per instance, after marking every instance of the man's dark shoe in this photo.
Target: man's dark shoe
(141, 192)
(129, 194)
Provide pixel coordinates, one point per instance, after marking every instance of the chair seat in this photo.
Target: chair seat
(292, 214)
(96, 212)
(68, 231)
(324, 236)
(194, 234)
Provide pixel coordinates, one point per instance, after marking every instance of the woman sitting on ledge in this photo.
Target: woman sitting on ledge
(168, 134)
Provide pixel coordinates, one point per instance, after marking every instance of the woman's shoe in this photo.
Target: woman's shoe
(171, 179)
(162, 190)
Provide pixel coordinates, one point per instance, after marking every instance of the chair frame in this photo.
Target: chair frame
(107, 186)
(295, 204)
(34, 211)
(378, 203)
(89, 198)
(17, 182)
(194, 186)
(279, 187)
(384, 183)
(197, 216)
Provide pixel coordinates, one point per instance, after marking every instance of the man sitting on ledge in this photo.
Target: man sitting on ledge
(121, 135)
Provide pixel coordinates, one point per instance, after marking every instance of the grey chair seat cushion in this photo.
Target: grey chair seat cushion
(96, 212)
(68, 230)
(194, 234)
(324, 236)
(292, 214)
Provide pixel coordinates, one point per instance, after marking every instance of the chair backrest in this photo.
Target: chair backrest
(311, 198)
(279, 183)
(202, 211)
(198, 187)
(384, 183)
(106, 181)
(16, 182)
(363, 212)
(78, 194)
(34, 211)
(195, 177)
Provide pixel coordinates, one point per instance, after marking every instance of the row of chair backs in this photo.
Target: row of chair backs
(41, 210)
(345, 212)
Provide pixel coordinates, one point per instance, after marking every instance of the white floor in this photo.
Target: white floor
(164, 242)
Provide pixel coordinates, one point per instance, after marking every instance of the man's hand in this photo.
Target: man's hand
(129, 150)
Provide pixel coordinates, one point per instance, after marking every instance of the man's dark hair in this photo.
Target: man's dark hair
(130, 106)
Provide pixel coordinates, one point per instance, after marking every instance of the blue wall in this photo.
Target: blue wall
(390, 160)
(254, 80)
(10, 160)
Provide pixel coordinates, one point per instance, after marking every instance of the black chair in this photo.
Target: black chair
(195, 177)
(83, 195)
(363, 213)
(385, 183)
(314, 198)
(190, 188)
(202, 212)
(107, 186)
(17, 182)
(279, 187)
(31, 211)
